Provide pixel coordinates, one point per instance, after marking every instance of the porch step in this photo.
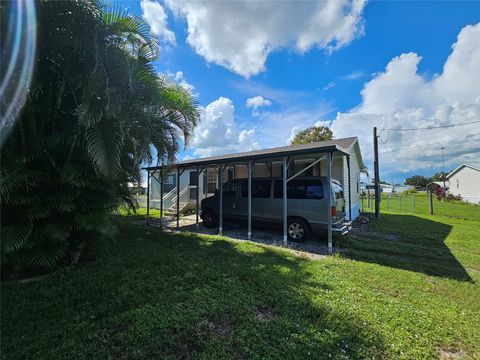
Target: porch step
(172, 210)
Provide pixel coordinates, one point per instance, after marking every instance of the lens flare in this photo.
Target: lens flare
(18, 37)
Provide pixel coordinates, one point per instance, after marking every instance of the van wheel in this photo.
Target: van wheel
(298, 230)
(210, 219)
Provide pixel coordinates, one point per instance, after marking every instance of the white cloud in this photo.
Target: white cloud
(240, 35)
(180, 79)
(329, 86)
(218, 133)
(279, 128)
(295, 130)
(156, 17)
(257, 102)
(354, 75)
(401, 98)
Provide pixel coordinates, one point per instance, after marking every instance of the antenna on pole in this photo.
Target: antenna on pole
(443, 174)
(377, 173)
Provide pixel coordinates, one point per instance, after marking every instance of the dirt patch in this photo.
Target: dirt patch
(221, 328)
(451, 354)
(264, 314)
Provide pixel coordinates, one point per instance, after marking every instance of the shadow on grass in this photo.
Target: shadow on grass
(183, 296)
(406, 242)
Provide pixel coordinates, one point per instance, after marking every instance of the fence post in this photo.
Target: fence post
(368, 200)
(430, 202)
(414, 203)
(400, 201)
(388, 206)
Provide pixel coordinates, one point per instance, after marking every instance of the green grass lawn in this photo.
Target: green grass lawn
(406, 288)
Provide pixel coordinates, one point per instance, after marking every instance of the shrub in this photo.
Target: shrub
(95, 107)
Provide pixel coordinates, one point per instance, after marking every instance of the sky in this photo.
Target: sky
(263, 70)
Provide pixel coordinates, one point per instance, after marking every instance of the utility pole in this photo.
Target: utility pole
(377, 173)
(443, 174)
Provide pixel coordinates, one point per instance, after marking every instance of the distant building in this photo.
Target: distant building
(464, 181)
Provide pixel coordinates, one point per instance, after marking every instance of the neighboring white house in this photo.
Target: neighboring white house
(464, 181)
(208, 180)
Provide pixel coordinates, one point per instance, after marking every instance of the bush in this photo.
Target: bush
(94, 109)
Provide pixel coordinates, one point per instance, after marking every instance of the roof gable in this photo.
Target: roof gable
(460, 168)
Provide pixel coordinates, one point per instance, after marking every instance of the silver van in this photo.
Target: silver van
(307, 204)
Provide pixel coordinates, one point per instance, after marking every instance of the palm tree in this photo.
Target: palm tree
(96, 107)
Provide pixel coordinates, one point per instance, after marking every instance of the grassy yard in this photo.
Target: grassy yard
(406, 288)
(419, 203)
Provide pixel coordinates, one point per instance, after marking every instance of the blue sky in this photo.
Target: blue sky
(344, 68)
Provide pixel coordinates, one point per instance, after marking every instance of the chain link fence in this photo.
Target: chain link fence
(421, 203)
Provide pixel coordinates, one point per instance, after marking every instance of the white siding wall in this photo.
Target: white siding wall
(354, 183)
(466, 183)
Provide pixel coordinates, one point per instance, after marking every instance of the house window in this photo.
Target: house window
(211, 181)
(205, 183)
(193, 178)
(170, 179)
(458, 185)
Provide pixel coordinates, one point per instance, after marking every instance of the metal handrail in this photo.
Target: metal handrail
(181, 193)
(169, 193)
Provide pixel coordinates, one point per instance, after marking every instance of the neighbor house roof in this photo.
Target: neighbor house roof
(460, 168)
(335, 145)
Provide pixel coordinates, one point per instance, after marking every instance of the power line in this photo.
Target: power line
(432, 127)
(427, 145)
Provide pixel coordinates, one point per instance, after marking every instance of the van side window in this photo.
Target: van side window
(300, 189)
(314, 192)
(260, 189)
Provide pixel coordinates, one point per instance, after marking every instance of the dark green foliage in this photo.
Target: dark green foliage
(95, 107)
(417, 181)
(312, 134)
(439, 176)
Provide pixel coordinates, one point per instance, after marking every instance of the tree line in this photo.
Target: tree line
(420, 181)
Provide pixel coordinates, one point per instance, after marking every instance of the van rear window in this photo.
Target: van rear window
(300, 189)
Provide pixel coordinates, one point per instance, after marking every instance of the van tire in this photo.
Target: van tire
(210, 219)
(298, 230)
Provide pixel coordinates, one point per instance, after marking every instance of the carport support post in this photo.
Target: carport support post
(349, 190)
(161, 196)
(220, 200)
(329, 202)
(178, 197)
(148, 197)
(430, 202)
(249, 231)
(197, 197)
(284, 180)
